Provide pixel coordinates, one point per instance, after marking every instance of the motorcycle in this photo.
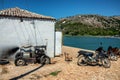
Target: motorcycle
(99, 58)
(34, 54)
(112, 54)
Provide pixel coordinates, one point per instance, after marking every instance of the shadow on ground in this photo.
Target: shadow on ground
(22, 75)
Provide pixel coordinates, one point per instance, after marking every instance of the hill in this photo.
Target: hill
(89, 25)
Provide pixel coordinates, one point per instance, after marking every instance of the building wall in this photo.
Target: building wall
(46, 31)
(15, 33)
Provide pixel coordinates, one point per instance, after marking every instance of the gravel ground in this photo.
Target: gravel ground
(61, 70)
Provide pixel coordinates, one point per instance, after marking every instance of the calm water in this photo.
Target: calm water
(90, 43)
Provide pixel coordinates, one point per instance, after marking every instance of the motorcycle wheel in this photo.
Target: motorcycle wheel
(106, 63)
(81, 61)
(113, 57)
(20, 62)
(45, 60)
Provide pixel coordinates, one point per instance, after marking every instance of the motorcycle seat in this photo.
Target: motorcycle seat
(26, 50)
(88, 54)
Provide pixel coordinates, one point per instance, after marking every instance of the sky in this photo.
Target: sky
(64, 8)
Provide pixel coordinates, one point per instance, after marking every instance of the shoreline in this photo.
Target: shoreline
(92, 36)
(70, 49)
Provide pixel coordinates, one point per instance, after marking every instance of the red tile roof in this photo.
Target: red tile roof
(17, 12)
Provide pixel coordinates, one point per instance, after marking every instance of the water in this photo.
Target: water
(91, 43)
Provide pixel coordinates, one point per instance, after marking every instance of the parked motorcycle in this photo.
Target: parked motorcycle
(34, 54)
(112, 54)
(99, 58)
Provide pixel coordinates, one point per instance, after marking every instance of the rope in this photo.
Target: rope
(23, 32)
(26, 31)
(35, 32)
(39, 35)
(17, 33)
(32, 31)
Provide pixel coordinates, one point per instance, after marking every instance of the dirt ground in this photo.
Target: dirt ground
(60, 70)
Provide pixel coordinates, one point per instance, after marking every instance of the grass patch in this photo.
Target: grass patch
(55, 73)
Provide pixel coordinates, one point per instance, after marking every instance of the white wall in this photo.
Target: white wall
(15, 33)
(58, 43)
(46, 30)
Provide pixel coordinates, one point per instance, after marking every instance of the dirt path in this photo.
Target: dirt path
(61, 70)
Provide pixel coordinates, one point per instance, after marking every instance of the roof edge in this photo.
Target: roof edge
(22, 13)
(27, 17)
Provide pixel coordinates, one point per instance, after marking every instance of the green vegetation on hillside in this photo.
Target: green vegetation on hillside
(72, 27)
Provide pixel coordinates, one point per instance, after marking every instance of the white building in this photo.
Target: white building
(19, 27)
(58, 43)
